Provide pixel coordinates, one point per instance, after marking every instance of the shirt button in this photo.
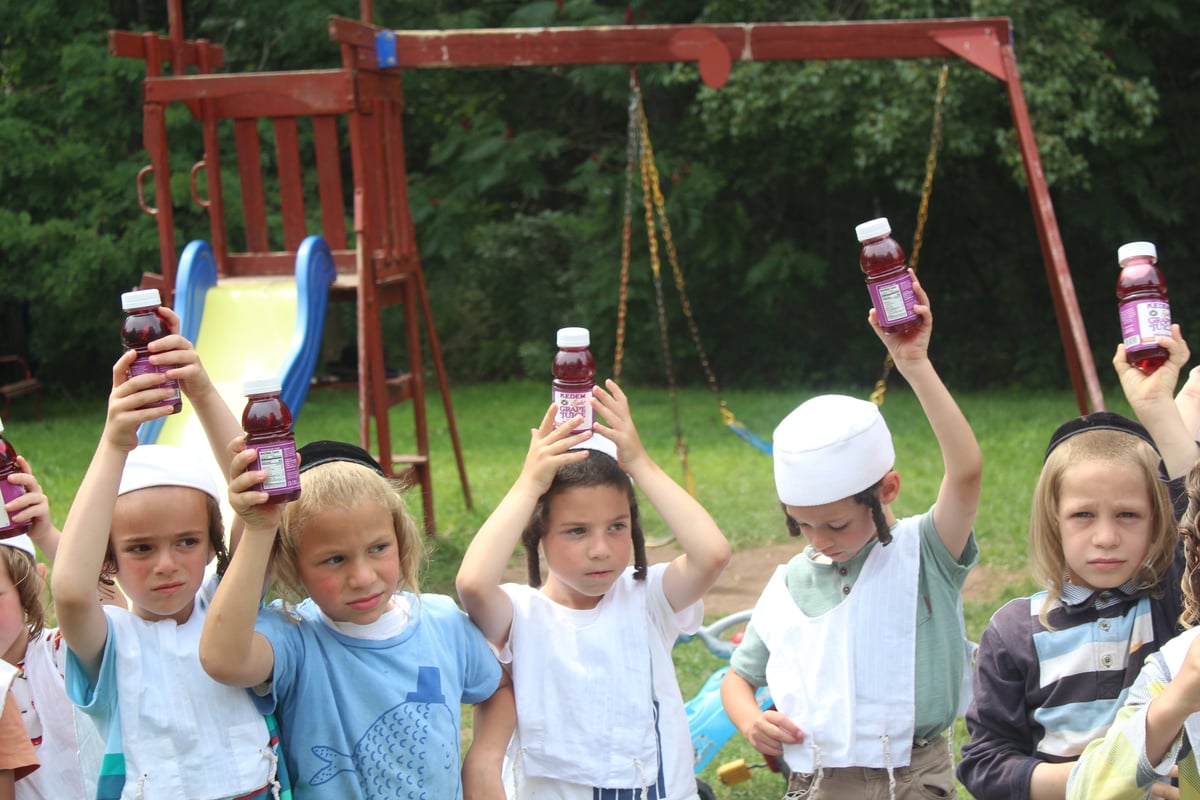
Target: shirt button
(842, 572)
(1106, 661)
(1104, 625)
(845, 590)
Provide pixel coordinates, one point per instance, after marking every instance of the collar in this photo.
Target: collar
(817, 558)
(1076, 599)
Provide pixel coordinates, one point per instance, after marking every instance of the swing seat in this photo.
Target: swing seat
(750, 436)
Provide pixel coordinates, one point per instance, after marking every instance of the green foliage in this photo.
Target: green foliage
(517, 179)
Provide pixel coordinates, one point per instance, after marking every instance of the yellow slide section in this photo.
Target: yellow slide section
(246, 332)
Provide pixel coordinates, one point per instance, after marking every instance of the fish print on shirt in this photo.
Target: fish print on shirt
(398, 756)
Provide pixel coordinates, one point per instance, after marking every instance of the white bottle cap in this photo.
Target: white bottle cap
(574, 337)
(269, 384)
(873, 229)
(143, 298)
(1132, 249)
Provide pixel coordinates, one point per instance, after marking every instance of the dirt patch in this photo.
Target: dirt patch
(751, 568)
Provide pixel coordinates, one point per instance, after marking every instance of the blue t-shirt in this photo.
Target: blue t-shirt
(366, 718)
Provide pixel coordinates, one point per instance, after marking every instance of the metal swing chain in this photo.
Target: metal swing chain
(677, 272)
(652, 201)
(631, 151)
(935, 144)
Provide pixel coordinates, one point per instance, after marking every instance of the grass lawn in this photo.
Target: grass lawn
(732, 479)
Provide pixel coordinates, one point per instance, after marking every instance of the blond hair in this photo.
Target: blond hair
(343, 485)
(1045, 538)
(22, 570)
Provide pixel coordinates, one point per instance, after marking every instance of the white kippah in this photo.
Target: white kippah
(831, 447)
(21, 542)
(599, 443)
(151, 465)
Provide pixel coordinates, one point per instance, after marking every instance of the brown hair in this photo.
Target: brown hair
(1045, 538)
(344, 485)
(22, 569)
(1188, 532)
(598, 469)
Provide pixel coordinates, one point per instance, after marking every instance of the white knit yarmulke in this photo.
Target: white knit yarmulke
(151, 465)
(21, 541)
(831, 447)
(599, 443)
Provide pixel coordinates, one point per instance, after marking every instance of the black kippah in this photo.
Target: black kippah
(324, 451)
(1098, 421)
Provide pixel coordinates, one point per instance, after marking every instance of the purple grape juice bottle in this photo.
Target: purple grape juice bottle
(1142, 305)
(267, 422)
(574, 376)
(9, 491)
(883, 261)
(143, 325)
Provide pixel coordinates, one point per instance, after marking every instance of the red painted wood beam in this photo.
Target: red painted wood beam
(713, 46)
(125, 44)
(1088, 394)
(263, 94)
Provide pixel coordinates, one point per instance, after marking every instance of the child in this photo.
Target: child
(149, 515)
(36, 651)
(862, 642)
(599, 713)
(366, 675)
(1052, 669)
(17, 759)
(1145, 746)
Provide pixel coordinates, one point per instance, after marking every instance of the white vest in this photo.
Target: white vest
(49, 715)
(183, 734)
(847, 677)
(582, 680)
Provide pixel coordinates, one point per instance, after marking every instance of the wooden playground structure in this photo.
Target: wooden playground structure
(380, 266)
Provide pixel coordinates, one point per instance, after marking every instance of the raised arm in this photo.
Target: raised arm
(1164, 417)
(85, 534)
(482, 568)
(33, 507)
(705, 549)
(1188, 402)
(220, 424)
(231, 651)
(958, 497)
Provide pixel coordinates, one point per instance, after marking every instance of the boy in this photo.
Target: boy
(860, 637)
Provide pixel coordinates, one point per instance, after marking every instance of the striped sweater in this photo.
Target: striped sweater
(1044, 694)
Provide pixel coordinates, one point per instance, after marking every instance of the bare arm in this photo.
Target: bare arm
(766, 731)
(231, 651)
(705, 549)
(1188, 402)
(220, 424)
(958, 497)
(493, 724)
(1164, 417)
(482, 569)
(34, 507)
(85, 535)
(1049, 781)
(1167, 712)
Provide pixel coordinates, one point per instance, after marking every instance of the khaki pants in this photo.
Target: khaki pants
(929, 776)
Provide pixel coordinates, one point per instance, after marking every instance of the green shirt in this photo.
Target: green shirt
(818, 587)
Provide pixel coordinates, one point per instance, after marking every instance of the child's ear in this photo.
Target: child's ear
(889, 487)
